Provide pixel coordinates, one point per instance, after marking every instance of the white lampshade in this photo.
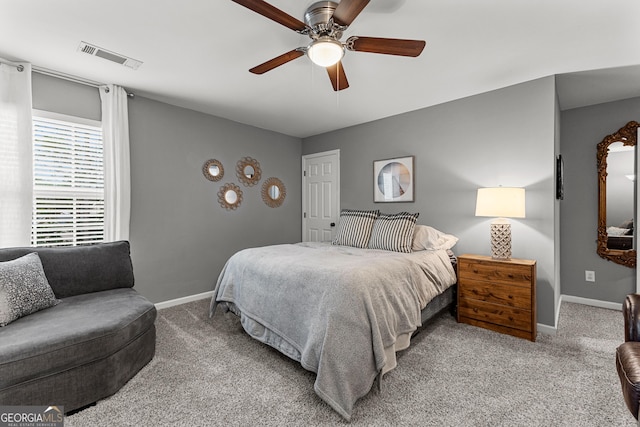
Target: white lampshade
(501, 202)
(325, 51)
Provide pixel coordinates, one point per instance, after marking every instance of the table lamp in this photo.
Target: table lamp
(502, 203)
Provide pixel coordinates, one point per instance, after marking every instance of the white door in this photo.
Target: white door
(320, 196)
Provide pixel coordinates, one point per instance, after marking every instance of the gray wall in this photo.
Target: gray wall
(505, 137)
(65, 97)
(180, 236)
(582, 130)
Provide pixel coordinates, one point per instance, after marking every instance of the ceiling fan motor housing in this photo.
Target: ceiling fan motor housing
(318, 18)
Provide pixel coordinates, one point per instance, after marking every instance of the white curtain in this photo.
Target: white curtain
(117, 176)
(16, 152)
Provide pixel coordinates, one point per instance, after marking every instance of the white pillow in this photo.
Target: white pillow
(617, 231)
(430, 239)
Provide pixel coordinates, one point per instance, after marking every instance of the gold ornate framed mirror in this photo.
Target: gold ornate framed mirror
(248, 171)
(273, 192)
(230, 196)
(616, 168)
(213, 170)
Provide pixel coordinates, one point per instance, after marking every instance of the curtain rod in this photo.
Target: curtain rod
(20, 67)
(68, 77)
(73, 79)
(57, 74)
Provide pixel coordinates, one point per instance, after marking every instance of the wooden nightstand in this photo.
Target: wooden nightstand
(498, 295)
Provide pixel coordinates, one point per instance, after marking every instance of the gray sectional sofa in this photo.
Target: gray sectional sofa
(87, 346)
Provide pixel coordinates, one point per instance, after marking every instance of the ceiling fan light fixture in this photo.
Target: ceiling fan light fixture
(325, 51)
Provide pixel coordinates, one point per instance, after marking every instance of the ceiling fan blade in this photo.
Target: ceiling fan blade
(385, 46)
(348, 10)
(337, 76)
(277, 61)
(273, 13)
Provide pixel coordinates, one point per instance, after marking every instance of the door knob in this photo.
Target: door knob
(333, 224)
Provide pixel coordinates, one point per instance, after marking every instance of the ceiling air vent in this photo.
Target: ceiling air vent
(108, 55)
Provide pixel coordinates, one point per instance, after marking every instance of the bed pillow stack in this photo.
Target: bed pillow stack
(354, 227)
(393, 232)
(369, 229)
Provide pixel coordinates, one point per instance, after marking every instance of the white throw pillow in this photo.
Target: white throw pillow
(430, 239)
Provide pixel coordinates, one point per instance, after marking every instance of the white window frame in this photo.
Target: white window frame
(74, 198)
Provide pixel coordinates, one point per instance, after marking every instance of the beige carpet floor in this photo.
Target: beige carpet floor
(208, 372)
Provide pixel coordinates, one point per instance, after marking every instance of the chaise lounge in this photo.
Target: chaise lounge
(98, 334)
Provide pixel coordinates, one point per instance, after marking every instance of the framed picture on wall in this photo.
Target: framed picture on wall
(559, 178)
(393, 180)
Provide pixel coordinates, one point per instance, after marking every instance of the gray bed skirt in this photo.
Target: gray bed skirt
(445, 300)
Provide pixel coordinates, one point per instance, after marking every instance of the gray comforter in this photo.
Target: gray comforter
(335, 309)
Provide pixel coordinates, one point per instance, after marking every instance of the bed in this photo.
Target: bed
(341, 311)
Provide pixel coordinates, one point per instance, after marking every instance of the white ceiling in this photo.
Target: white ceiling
(197, 54)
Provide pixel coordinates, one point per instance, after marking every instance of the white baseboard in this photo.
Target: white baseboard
(591, 302)
(183, 300)
(553, 330)
(547, 330)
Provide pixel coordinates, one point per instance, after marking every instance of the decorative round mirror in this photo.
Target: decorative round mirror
(616, 195)
(248, 171)
(213, 170)
(230, 196)
(273, 192)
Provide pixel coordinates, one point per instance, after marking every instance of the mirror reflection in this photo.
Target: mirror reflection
(616, 196)
(273, 192)
(230, 196)
(620, 200)
(213, 170)
(248, 171)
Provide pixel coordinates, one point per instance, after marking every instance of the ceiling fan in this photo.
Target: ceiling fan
(324, 22)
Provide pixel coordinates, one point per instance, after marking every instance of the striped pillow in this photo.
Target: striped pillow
(393, 232)
(354, 227)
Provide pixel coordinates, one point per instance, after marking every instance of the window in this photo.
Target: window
(68, 181)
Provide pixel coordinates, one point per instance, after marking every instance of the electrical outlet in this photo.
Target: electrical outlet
(590, 276)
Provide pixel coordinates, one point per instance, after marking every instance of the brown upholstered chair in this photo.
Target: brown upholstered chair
(628, 354)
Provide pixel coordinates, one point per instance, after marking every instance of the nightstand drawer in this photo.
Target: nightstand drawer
(513, 296)
(510, 274)
(497, 314)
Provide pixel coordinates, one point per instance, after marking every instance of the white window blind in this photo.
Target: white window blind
(68, 181)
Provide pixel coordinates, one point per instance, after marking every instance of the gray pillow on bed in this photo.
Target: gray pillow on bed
(24, 288)
(393, 232)
(354, 227)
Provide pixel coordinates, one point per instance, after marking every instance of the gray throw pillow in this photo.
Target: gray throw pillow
(393, 232)
(24, 288)
(354, 227)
